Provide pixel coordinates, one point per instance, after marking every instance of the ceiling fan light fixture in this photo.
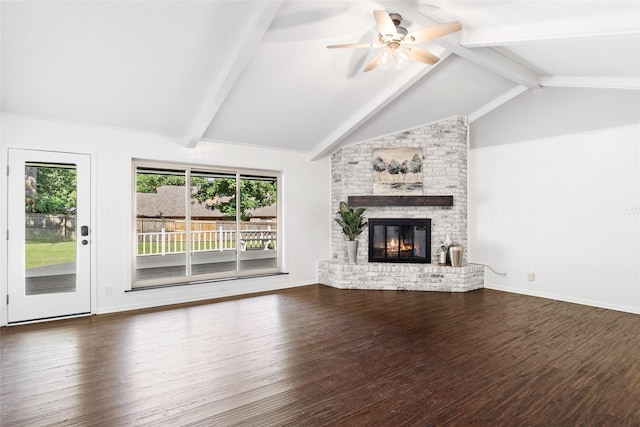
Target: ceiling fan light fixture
(401, 57)
(393, 38)
(394, 55)
(384, 57)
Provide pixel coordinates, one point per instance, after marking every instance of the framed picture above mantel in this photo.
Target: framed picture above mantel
(397, 171)
(441, 201)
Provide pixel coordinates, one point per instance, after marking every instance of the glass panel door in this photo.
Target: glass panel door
(49, 235)
(213, 223)
(258, 222)
(200, 223)
(161, 217)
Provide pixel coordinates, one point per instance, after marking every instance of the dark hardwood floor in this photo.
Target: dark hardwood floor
(322, 356)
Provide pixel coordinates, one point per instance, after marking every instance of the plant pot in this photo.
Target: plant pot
(352, 251)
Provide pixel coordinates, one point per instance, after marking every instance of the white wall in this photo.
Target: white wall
(306, 205)
(554, 111)
(555, 206)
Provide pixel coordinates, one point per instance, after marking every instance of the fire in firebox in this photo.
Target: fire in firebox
(399, 240)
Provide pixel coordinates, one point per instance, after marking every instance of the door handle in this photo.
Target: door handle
(84, 230)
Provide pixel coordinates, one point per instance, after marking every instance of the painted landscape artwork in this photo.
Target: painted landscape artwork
(397, 171)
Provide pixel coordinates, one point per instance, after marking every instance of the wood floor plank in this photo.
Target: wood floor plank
(321, 356)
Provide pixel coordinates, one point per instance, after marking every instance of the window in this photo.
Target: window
(223, 224)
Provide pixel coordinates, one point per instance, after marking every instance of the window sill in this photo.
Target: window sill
(200, 282)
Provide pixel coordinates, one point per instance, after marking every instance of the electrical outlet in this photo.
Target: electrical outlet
(107, 291)
(531, 276)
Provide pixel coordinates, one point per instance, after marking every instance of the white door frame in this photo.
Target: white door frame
(4, 216)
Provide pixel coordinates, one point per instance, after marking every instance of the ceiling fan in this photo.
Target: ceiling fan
(396, 42)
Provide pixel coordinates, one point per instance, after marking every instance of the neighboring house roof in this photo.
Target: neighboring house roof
(168, 202)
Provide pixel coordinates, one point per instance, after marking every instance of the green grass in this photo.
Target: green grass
(43, 253)
(40, 254)
(170, 247)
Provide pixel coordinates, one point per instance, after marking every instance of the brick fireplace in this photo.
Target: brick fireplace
(444, 203)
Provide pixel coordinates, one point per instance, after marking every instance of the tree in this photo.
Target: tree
(404, 169)
(393, 167)
(415, 166)
(148, 183)
(220, 193)
(52, 190)
(379, 165)
(217, 193)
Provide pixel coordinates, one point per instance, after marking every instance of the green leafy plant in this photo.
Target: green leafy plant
(351, 221)
(50, 190)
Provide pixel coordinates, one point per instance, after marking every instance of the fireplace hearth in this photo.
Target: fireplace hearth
(400, 240)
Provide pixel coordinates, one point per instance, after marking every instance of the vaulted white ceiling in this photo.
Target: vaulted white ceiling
(259, 73)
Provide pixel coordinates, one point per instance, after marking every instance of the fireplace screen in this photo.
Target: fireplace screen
(399, 240)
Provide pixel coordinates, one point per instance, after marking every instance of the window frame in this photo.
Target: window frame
(189, 278)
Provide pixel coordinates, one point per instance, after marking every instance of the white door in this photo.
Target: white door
(49, 237)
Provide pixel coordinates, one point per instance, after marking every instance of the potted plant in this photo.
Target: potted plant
(352, 223)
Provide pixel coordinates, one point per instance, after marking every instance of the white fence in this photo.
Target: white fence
(175, 242)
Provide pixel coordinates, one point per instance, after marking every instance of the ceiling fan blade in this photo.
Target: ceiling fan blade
(371, 65)
(422, 55)
(353, 45)
(430, 33)
(384, 23)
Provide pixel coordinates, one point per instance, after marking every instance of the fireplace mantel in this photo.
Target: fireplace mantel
(442, 201)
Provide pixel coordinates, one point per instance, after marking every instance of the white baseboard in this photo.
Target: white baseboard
(190, 298)
(564, 298)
